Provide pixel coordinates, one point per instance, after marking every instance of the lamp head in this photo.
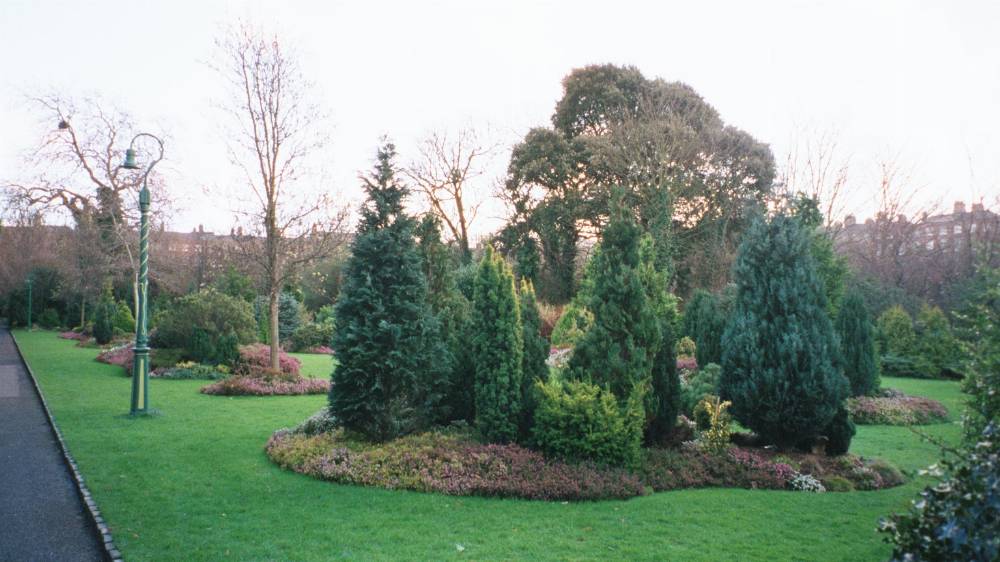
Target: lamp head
(130, 163)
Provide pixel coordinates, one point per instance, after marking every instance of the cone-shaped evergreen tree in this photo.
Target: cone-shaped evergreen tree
(536, 351)
(663, 402)
(390, 369)
(704, 322)
(498, 348)
(779, 365)
(618, 350)
(857, 345)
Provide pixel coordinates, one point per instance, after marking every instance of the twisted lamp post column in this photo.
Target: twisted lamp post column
(140, 362)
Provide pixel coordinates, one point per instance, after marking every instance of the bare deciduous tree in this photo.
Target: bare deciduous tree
(816, 167)
(446, 174)
(277, 131)
(74, 170)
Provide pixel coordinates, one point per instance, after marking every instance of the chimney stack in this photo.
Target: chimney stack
(849, 220)
(959, 207)
(977, 208)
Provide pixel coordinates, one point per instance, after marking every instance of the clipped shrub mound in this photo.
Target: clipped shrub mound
(448, 464)
(451, 462)
(892, 407)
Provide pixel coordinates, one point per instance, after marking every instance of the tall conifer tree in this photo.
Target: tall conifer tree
(619, 349)
(663, 401)
(387, 343)
(498, 350)
(779, 364)
(857, 345)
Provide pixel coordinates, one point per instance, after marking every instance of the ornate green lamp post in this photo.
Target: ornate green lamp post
(30, 282)
(140, 365)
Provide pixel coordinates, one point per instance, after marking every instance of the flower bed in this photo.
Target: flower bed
(455, 464)
(120, 355)
(448, 465)
(256, 358)
(745, 467)
(190, 370)
(78, 336)
(266, 386)
(320, 350)
(895, 408)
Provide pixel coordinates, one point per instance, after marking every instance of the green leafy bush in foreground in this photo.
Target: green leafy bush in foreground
(958, 518)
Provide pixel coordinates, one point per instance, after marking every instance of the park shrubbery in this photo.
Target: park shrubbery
(208, 326)
(925, 348)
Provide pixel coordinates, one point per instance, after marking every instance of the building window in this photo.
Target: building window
(930, 244)
(957, 229)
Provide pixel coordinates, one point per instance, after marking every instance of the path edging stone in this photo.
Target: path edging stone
(98, 525)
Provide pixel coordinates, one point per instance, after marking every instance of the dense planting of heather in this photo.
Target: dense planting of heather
(895, 408)
(121, 356)
(738, 467)
(453, 464)
(449, 465)
(252, 376)
(264, 386)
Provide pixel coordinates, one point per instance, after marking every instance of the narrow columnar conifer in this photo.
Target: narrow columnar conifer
(663, 400)
(498, 349)
(779, 360)
(857, 345)
(391, 366)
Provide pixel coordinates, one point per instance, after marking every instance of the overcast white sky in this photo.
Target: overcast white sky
(920, 80)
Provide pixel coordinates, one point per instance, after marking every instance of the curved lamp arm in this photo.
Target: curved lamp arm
(130, 163)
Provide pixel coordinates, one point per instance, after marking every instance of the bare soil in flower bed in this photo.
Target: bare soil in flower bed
(453, 463)
(892, 407)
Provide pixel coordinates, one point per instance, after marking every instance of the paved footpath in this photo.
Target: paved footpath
(41, 514)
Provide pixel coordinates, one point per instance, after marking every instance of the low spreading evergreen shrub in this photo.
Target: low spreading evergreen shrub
(579, 421)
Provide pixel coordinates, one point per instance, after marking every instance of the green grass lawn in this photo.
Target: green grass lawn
(193, 484)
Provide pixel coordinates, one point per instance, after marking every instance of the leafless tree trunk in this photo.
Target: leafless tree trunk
(445, 173)
(277, 131)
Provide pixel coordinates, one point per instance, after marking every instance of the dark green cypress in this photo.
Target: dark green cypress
(618, 350)
(391, 369)
(536, 351)
(857, 345)
(779, 364)
(498, 348)
(704, 322)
